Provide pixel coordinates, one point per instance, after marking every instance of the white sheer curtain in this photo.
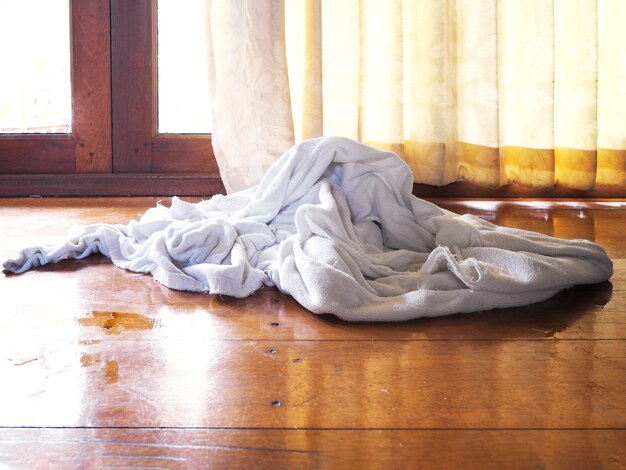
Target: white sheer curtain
(248, 80)
(487, 91)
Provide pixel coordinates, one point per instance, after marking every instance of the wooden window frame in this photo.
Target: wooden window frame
(114, 148)
(88, 148)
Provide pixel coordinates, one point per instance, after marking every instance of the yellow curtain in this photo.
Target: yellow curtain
(487, 91)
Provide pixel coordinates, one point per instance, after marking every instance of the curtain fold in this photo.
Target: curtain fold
(249, 85)
(486, 91)
(611, 92)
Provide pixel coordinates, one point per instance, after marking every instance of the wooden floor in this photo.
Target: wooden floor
(102, 368)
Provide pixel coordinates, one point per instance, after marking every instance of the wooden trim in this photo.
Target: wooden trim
(154, 72)
(132, 50)
(130, 184)
(468, 190)
(91, 85)
(173, 153)
(37, 153)
(154, 184)
(137, 146)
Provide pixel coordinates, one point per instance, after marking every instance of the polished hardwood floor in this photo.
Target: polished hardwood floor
(103, 368)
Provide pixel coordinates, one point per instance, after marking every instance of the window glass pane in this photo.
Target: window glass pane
(183, 90)
(35, 87)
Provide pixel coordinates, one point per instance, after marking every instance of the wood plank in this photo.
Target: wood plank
(118, 184)
(172, 153)
(599, 221)
(466, 190)
(106, 293)
(133, 92)
(221, 448)
(91, 85)
(585, 312)
(27, 154)
(314, 384)
(261, 382)
(595, 221)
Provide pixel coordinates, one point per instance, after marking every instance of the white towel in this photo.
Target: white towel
(334, 224)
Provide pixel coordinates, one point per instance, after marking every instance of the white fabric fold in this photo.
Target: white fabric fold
(334, 224)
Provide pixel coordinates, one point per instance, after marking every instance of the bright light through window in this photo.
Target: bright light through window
(184, 103)
(35, 84)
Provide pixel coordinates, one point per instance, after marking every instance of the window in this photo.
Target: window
(183, 84)
(36, 95)
(111, 144)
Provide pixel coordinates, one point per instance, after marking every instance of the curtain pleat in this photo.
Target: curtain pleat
(304, 49)
(575, 92)
(249, 84)
(611, 92)
(490, 91)
(526, 90)
(486, 91)
(476, 82)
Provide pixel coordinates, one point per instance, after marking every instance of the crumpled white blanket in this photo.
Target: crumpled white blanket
(334, 224)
